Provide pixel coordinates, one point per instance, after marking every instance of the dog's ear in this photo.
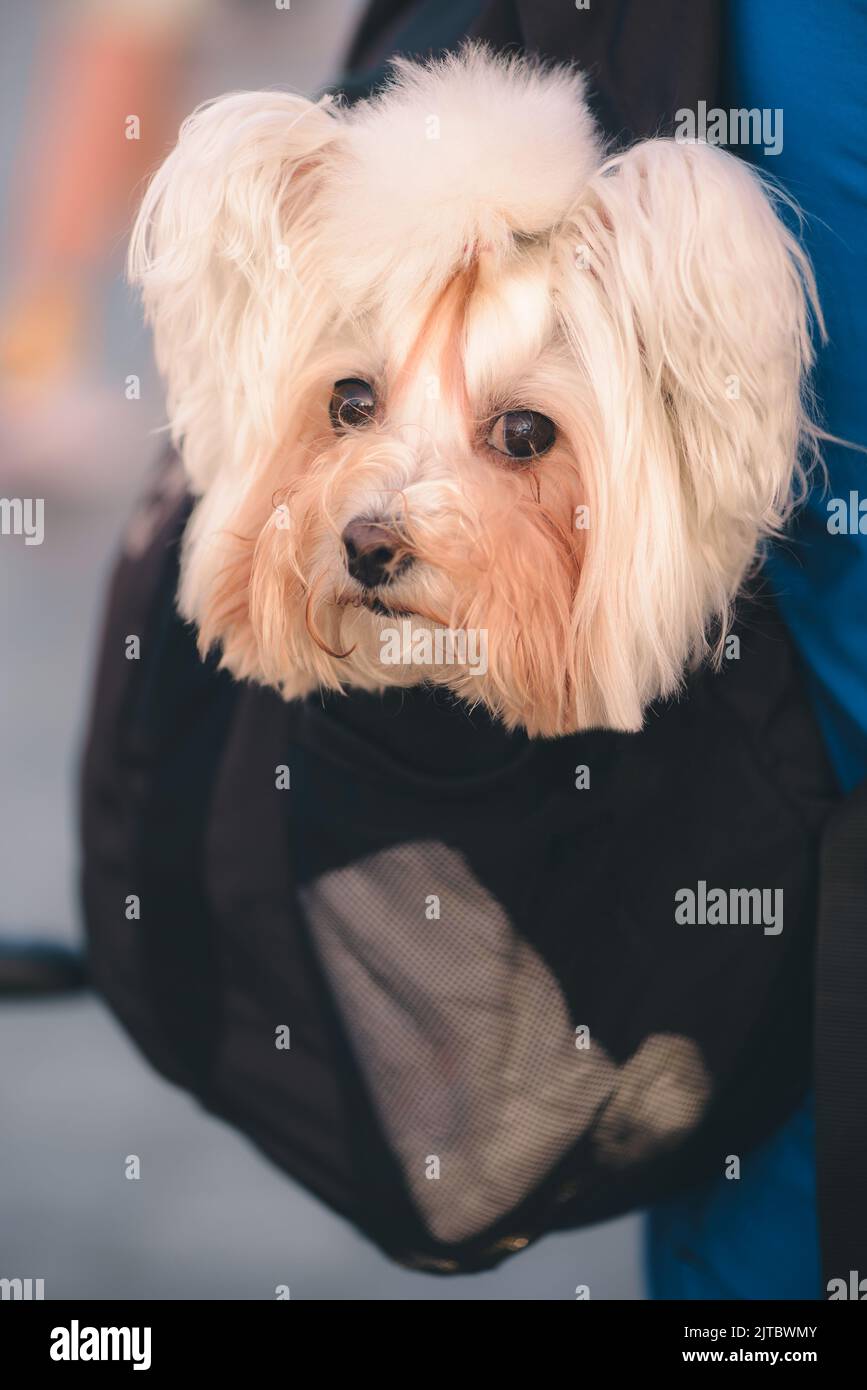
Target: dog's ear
(687, 303)
(224, 251)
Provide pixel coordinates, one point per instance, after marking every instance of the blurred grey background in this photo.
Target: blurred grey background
(210, 1218)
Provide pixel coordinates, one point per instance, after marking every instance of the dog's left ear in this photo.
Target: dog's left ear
(225, 251)
(687, 303)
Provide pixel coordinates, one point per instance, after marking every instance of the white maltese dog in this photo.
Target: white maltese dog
(434, 359)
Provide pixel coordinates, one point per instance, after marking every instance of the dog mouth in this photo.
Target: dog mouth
(375, 605)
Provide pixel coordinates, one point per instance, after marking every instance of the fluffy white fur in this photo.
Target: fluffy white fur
(461, 242)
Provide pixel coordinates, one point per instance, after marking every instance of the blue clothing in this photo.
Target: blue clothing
(757, 1237)
(815, 69)
(752, 1237)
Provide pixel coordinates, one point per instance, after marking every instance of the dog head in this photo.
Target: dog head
(435, 360)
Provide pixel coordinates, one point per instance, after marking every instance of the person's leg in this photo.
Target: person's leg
(753, 1237)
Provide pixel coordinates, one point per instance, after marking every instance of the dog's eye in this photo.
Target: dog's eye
(352, 404)
(522, 434)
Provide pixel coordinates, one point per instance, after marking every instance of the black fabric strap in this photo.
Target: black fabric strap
(841, 1042)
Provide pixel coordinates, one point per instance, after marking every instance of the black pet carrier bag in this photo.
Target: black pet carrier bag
(465, 986)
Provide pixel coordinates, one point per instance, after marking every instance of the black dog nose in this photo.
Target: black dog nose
(374, 553)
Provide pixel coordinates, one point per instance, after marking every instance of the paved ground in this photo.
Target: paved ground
(209, 1218)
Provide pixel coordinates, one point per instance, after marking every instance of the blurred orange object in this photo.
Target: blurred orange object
(41, 331)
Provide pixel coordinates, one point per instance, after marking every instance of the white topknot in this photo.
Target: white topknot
(459, 154)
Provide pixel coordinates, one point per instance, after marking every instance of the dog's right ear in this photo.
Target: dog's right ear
(224, 249)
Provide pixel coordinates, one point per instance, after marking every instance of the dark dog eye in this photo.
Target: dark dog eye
(522, 434)
(352, 404)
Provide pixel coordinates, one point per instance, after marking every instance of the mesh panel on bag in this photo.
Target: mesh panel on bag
(467, 1046)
